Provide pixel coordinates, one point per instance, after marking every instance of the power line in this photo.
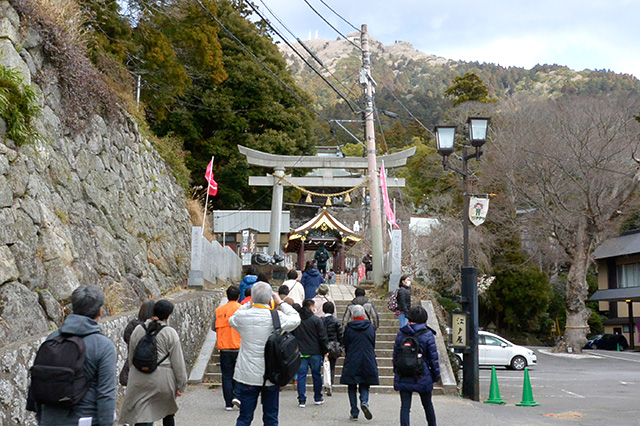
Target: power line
(246, 49)
(313, 55)
(329, 24)
(339, 16)
(339, 93)
(412, 116)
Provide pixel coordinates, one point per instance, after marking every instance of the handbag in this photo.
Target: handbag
(326, 374)
(335, 349)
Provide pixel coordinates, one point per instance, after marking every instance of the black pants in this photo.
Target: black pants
(405, 408)
(167, 421)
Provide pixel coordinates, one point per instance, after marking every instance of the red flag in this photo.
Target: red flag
(208, 175)
(391, 217)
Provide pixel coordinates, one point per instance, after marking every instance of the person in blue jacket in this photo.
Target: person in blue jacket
(311, 280)
(250, 278)
(422, 384)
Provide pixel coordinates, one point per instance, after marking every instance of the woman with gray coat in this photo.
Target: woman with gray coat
(152, 396)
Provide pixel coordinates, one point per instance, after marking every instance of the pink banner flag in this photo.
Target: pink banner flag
(391, 217)
(208, 175)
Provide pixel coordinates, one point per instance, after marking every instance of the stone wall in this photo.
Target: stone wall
(96, 206)
(191, 319)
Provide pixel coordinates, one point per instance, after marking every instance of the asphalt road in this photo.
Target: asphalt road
(602, 388)
(598, 388)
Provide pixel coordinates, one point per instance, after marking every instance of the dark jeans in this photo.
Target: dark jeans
(405, 408)
(322, 268)
(315, 362)
(248, 396)
(167, 421)
(227, 366)
(332, 364)
(353, 397)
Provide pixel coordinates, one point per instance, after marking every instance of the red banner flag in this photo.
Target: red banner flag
(391, 217)
(208, 175)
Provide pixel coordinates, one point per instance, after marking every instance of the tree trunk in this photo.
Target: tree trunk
(578, 314)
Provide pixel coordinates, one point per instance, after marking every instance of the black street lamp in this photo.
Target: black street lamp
(445, 136)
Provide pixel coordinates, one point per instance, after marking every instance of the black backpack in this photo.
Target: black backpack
(323, 256)
(145, 355)
(281, 354)
(410, 357)
(57, 374)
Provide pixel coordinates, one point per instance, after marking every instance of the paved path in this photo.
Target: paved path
(203, 406)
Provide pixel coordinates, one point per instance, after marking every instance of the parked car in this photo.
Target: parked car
(498, 351)
(607, 341)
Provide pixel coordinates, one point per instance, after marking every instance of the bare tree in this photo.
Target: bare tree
(570, 163)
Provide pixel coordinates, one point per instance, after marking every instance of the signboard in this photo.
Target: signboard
(478, 208)
(459, 330)
(249, 245)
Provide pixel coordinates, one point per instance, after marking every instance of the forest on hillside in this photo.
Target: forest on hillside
(560, 155)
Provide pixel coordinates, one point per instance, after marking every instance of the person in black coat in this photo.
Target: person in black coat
(404, 300)
(360, 368)
(312, 342)
(334, 335)
(422, 384)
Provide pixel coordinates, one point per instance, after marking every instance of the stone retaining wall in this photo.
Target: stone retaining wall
(191, 319)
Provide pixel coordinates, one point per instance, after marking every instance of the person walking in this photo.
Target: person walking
(99, 402)
(360, 369)
(403, 299)
(321, 257)
(367, 260)
(152, 396)
(228, 341)
(255, 325)
(322, 297)
(334, 335)
(369, 309)
(250, 278)
(312, 341)
(296, 290)
(145, 312)
(311, 280)
(421, 383)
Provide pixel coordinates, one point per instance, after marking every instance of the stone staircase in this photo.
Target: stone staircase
(385, 338)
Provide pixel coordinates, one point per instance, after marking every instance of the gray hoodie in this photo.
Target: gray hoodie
(100, 364)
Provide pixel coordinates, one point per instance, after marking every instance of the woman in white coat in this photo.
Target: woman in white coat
(254, 323)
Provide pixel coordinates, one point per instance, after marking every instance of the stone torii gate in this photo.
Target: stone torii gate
(279, 163)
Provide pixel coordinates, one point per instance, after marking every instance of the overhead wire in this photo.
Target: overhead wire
(313, 55)
(339, 16)
(329, 24)
(266, 21)
(246, 49)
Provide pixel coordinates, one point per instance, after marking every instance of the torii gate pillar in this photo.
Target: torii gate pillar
(276, 211)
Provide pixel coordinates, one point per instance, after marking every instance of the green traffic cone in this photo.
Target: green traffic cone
(527, 393)
(494, 391)
(618, 347)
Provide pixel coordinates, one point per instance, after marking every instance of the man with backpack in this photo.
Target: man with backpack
(415, 364)
(322, 256)
(92, 358)
(255, 324)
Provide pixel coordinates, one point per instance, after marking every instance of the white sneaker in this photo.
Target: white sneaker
(236, 402)
(228, 408)
(319, 402)
(301, 404)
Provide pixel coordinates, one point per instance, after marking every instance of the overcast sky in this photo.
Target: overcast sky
(593, 34)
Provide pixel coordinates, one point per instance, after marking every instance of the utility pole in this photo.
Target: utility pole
(370, 135)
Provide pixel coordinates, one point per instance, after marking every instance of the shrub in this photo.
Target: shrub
(18, 106)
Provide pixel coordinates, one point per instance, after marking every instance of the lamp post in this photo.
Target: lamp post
(445, 136)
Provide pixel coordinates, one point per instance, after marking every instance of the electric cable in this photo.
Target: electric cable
(339, 16)
(329, 24)
(246, 49)
(412, 116)
(313, 55)
(338, 92)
